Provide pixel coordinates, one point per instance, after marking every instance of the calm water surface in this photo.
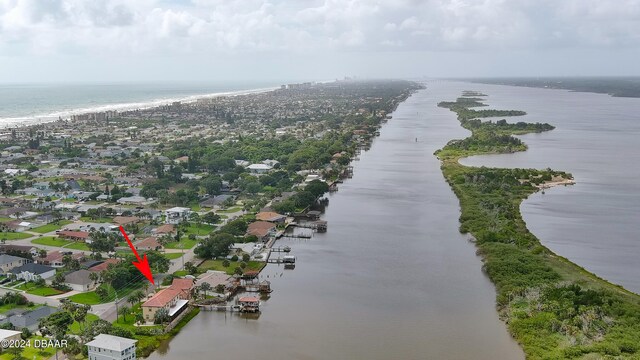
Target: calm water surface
(391, 279)
(595, 223)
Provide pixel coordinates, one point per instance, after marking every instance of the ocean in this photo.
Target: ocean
(23, 104)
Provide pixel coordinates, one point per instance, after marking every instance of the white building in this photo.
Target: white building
(109, 347)
(32, 272)
(258, 168)
(176, 215)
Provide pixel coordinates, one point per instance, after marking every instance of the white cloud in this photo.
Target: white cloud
(227, 26)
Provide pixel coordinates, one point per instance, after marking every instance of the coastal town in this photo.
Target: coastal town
(204, 189)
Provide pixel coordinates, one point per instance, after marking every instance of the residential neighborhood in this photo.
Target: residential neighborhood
(203, 190)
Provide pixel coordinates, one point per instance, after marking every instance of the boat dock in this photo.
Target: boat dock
(281, 249)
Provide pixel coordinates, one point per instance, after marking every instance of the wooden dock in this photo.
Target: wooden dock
(281, 249)
(287, 259)
(298, 236)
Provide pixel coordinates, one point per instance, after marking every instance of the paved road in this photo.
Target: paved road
(105, 311)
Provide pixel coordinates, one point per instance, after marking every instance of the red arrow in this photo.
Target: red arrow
(142, 264)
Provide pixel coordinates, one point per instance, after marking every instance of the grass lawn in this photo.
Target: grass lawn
(127, 321)
(217, 265)
(14, 235)
(203, 229)
(31, 352)
(44, 291)
(187, 243)
(229, 210)
(50, 227)
(51, 241)
(6, 307)
(181, 273)
(33, 289)
(91, 298)
(173, 256)
(75, 327)
(78, 246)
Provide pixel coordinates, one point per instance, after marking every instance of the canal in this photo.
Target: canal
(391, 279)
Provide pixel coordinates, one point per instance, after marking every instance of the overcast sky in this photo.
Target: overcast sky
(119, 40)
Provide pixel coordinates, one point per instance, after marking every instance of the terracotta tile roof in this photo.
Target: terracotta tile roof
(162, 298)
(74, 234)
(104, 265)
(51, 256)
(248, 299)
(165, 229)
(182, 284)
(148, 243)
(259, 228)
(268, 216)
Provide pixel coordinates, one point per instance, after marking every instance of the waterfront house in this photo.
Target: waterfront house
(270, 216)
(184, 286)
(215, 278)
(168, 299)
(32, 272)
(109, 347)
(262, 229)
(8, 262)
(174, 299)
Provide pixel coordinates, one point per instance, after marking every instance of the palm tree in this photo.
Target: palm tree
(194, 217)
(205, 286)
(123, 311)
(135, 297)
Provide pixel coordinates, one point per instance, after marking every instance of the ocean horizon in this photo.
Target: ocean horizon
(32, 103)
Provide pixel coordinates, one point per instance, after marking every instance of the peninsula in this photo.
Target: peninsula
(552, 307)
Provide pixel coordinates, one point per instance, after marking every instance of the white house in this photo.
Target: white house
(176, 215)
(9, 335)
(258, 168)
(31, 272)
(109, 347)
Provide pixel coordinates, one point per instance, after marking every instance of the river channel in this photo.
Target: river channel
(594, 223)
(391, 279)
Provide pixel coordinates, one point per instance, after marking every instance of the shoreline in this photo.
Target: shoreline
(65, 115)
(539, 294)
(372, 132)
